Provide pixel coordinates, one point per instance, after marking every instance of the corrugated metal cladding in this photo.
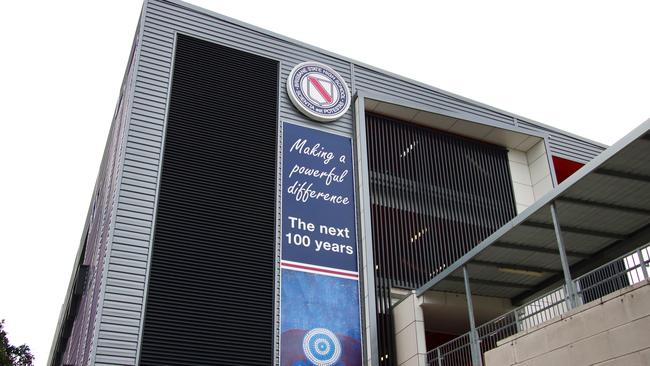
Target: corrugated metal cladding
(210, 299)
(434, 196)
(81, 337)
(79, 331)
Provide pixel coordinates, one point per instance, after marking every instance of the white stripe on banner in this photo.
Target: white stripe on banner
(296, 266)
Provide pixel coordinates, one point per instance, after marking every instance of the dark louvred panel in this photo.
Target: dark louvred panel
(434, 197)
(210, 297)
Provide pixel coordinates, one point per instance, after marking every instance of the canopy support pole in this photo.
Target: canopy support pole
(570, 289)
(473, 335)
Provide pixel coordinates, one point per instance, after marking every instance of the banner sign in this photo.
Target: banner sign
(319, 311)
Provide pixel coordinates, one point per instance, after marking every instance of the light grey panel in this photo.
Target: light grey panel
(144, 173)
(119, 352)
(109, 304)
(113, 360)
(139, 185)
(124, 283)
(128, 254)
(115, 344)
(132, 243)
(135, 212)
(123, 307)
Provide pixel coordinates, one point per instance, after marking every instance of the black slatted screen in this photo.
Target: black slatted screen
(434, 197)
(210, 298)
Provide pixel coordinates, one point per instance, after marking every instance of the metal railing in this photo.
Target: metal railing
(615, 275)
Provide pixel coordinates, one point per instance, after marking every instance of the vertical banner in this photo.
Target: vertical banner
(319, 311)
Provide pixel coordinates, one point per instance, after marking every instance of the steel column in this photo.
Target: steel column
(371, 346)
(571, 303)
(474, 341)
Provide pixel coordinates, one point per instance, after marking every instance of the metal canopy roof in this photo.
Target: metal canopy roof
(603, 210)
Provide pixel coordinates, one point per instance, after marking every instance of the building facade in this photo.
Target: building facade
(182, 261)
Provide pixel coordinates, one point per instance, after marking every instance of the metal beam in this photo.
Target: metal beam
(474, 339)
(575, 230)
(490, 283)
(611, 206)
(568, 282)
(618, 174)
(364, 235)
(605, 255)
(513, 266)
(533, 249)
(588, 169)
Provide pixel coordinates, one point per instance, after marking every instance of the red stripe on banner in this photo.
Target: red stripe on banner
(315, 269)
(320, 89)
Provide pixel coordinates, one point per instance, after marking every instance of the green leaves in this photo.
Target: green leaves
(12, 355)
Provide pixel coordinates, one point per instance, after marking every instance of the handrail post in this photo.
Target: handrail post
(570, 290)
(644, 273)
(474, 340)
(439, 357)
(517, 320)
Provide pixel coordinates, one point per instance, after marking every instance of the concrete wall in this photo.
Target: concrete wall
(446, 312)
(439, 312)
(531, 174)
(614, 330)
(410, 342)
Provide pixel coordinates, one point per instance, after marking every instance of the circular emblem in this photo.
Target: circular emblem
(321, 347)
(318, 91)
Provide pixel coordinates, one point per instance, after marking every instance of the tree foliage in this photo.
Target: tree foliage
(13, 355)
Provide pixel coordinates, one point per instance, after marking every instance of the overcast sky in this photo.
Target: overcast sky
(582, 66)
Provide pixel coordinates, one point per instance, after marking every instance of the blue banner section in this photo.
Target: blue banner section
(319, 302)
(320, 322)
(318, 206)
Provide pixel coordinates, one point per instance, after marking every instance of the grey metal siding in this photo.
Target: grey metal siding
(76, 333)
(121, 304)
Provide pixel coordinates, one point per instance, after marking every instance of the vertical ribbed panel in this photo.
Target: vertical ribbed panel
(434, 196)
(211, 284)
